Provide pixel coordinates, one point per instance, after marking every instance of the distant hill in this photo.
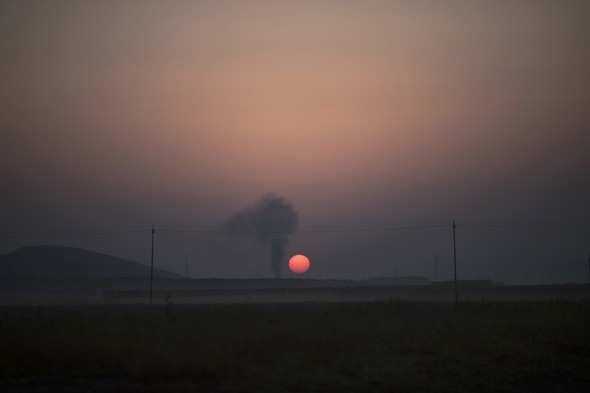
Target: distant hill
(57, 262)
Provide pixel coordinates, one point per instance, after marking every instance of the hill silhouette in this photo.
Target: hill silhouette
(58, 262)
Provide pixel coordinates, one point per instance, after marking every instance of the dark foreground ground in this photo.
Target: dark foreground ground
(391, 346)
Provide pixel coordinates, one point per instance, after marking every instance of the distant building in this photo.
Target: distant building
(469, 284)
(398, 281)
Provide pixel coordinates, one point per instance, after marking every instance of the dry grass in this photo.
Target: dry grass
(384, 346)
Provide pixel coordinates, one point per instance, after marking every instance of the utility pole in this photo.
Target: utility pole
(186, 264)
(455, 262)
(588, 269)
(152, 266)
(435, 267)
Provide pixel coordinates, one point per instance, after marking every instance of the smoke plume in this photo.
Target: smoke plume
(270, 221)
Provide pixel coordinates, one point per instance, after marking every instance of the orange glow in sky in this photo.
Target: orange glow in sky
(331, 103)
(374, 111)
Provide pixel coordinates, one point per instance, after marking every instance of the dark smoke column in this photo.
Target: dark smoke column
(270, 220)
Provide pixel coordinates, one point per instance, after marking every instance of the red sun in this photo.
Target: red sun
(299, 263)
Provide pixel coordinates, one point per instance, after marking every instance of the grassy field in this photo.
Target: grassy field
(358, 347)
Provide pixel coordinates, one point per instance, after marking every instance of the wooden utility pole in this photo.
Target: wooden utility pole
(455, 262)
(435, 267)
(152, 266)
(186, 264)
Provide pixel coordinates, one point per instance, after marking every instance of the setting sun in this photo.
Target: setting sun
(299, 264)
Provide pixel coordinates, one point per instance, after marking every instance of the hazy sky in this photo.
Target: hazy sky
(181, 113)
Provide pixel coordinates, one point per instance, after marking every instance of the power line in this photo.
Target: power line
(521, 226)
(301, 227)
(57, 235)
(526, 222)
(227, 231)
(77, 230)
(312, 229)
